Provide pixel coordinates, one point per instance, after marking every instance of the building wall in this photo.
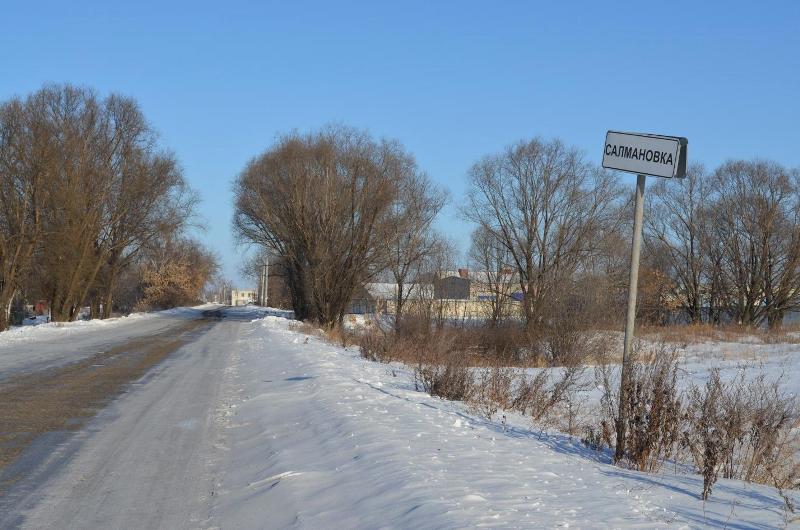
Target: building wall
(451, 288)
(242, 296)
(445, 309)
(452, 298)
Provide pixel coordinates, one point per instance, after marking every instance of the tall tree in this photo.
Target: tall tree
(757, 225)
(493, 264)
(111, 190)
(176, 272)
(413, 241)
(323, 202)
(27, 161)
(679, 223)
(151, 200)
(546, 206)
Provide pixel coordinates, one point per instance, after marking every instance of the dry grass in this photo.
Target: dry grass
(742, 429)
(308, 329)
(699, 333)
(336, 335)
(482, 368)
(482, 347)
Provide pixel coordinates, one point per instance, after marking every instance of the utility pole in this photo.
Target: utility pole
(263, 284)
(260, 293)
(266, 283)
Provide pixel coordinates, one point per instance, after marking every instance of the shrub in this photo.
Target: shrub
(506, 344)
(531, 393)
(596, 439)
(493, 391)
(653, 407)
(449, 377)
(374, 346)
(742, 429)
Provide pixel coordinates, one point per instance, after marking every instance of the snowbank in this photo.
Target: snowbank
(318, 437)
(49, 331)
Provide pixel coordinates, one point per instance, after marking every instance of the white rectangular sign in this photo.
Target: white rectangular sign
(645, 154)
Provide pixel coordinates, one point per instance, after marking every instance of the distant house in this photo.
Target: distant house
(460, 294)
(361, 302)
(452, 288)
(381, 297)
(242, 296)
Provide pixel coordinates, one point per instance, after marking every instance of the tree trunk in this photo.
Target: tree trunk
(775, 319)
(107, 301)
(398, 308)
(696, 312)
(5, 310)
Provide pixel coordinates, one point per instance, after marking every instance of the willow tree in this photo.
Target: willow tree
(756, 226)
(678, 223)
(27, 155)
(326, 203)
(110, 189)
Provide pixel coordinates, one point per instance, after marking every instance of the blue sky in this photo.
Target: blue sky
(452, 80)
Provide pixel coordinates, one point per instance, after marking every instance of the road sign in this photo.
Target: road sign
(645, 154)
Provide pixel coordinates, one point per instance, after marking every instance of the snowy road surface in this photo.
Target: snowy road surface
(35, 348)
(253, 425)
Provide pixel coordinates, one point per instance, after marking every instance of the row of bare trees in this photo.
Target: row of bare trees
(730, 242)
(86, 195)
(341, 208)
(721, 246)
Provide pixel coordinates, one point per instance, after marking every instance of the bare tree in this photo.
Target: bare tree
(431, 310)
(150, 199)
(679, 223)
(493, 264)
(323, 202)
(110, 190)
(26, 158)
(218, 289)
(176, 272)
(757, 227)
(546, 206)
(252, 266)
(413, 241)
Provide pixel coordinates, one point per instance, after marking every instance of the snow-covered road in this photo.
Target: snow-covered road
(35, 348)
(253, 425)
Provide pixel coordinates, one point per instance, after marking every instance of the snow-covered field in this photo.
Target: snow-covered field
(255, 425)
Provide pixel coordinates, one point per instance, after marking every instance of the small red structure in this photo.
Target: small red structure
(41, 307)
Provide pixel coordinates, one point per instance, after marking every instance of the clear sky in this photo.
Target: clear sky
(452, 80)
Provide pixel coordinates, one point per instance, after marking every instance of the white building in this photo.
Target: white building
(243, 296)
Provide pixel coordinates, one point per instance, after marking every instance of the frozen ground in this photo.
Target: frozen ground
(254, 425)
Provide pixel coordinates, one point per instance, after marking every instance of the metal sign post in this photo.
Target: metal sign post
(643, 154)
